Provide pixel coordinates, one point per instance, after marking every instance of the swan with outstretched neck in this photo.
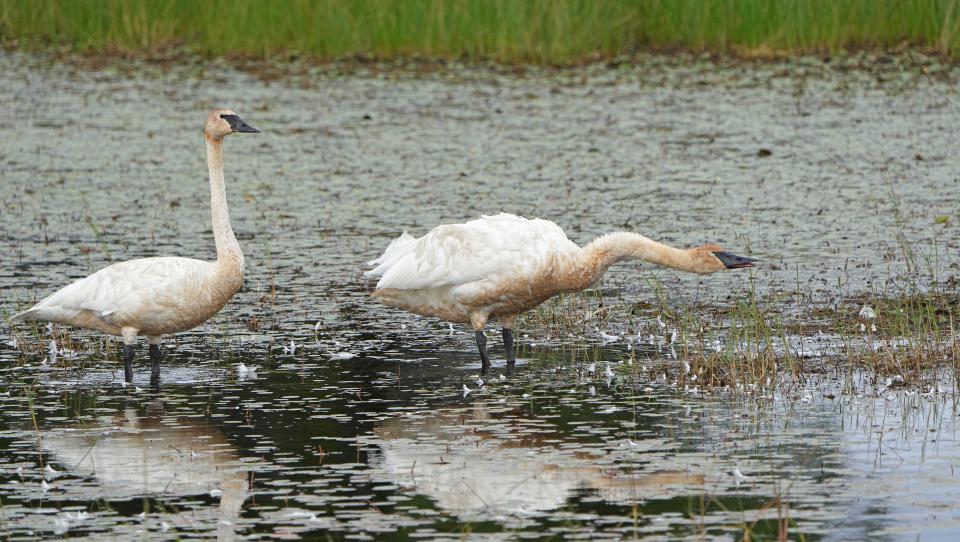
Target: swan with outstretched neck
(158, 296)
(497, 267)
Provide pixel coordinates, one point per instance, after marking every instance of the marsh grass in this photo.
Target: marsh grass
(759, 343)
(510, 31)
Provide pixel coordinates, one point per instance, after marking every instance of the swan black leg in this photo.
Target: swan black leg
(482, 345)
(508, 345)
(128, 363)
(155, 356)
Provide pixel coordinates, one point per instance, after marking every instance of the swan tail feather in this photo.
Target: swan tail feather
(24, 316)
(394, 251)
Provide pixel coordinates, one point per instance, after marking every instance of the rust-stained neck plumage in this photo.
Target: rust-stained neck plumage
(609, 249)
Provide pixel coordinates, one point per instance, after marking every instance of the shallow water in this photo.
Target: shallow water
(364, 430)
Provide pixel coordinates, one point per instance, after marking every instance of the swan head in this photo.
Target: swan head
(222, 122)
(712, 258)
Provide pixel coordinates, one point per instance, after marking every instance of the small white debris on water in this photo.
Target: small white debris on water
(52, 352)
(632, 443)
(480, 382)
(607, 337)
(592, 368)
(867, 313)
(739, 477)
(61, 526)
(342, 355)
(142, 516)
(216, 492)
(79, 516)
(503, 377)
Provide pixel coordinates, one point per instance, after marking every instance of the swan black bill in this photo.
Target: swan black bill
(732, 261)
(238, 125)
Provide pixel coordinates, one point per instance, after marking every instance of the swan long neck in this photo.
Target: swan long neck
(609, 249)
(228, 250)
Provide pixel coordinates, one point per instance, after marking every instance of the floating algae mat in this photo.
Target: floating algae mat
(304, 410)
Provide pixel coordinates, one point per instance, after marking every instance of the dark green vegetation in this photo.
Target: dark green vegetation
(539, 31)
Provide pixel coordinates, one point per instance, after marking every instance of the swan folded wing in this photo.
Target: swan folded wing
(459, 254)
(122, 287)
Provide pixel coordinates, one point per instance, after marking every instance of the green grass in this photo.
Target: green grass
(511, 31)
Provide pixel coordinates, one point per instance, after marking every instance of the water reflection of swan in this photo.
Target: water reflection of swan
(490, 469)
(131, 456)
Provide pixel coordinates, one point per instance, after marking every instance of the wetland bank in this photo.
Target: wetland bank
(739, 405)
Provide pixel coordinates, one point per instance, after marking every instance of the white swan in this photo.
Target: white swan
(158, 296)
(500, 266)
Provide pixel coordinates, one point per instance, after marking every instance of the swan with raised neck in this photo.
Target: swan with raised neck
(163, 295)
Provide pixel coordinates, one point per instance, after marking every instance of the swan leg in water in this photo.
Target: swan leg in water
(155, 356)
(508, 345)
(128, 354)
(508, 323)
(482, 346)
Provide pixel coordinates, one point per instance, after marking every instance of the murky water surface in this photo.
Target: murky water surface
(304, 410)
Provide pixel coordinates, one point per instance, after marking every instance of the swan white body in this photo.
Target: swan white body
(154, 296)
(501, 266)
(158, 296)
(495, 266)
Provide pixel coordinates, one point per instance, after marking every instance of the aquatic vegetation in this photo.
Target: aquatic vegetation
(542, 31)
